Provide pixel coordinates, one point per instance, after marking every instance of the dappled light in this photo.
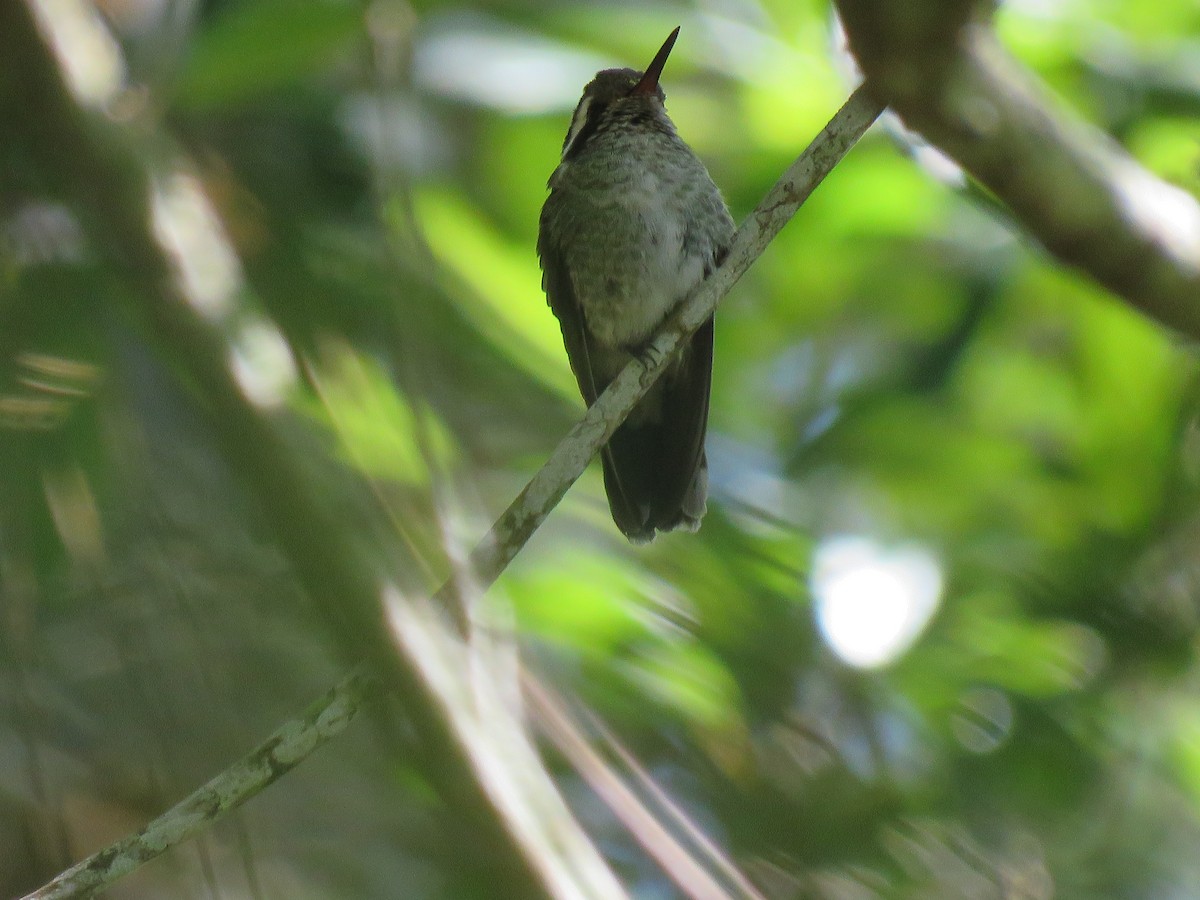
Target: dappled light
(84, 47)
(262, 363)
(872, 603)
(309, 581)
(1171, 215)
(187, 226)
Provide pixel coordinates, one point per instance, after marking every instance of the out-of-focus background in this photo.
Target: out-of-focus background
(937, 636)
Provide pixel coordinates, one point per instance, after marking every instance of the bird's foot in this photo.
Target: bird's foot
(652, 355)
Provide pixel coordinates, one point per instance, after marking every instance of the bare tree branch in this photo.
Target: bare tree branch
(324, 720)
(523, 516)
(938, 65)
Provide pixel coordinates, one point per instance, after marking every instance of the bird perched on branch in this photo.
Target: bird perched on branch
(632, 225)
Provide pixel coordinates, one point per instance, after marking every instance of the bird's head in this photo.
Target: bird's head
(616, 94)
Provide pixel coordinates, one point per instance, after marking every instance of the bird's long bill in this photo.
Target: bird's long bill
(649, 82)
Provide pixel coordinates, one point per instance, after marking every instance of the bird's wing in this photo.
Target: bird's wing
(680, 436)
(682, 485)
(621, 460)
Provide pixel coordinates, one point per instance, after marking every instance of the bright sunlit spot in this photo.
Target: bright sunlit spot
(87, 52)
(872, 603)
(262, 363)
(1169, 215)
(191, 232)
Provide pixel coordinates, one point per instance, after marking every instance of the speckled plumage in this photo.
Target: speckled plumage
(632, 225)
(636, 214)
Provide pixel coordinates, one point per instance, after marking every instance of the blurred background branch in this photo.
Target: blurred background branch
(171, 312)
(290, 745)
(506, 537)
(1068, 185)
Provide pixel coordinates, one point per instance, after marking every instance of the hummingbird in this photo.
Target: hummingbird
(633, 224)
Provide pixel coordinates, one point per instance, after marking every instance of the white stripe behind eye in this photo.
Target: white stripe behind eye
(577, 123)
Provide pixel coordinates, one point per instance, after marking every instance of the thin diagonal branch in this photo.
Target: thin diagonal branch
(293, 742)
(571, 456)
(523, 516)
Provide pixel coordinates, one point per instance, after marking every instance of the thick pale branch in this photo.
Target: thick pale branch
(1068, 184)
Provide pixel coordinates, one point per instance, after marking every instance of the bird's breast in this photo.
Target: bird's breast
(631, 264)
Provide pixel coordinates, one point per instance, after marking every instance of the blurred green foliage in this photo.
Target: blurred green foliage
(900, 366)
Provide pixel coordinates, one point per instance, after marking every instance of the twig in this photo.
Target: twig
(324, 720)
(691, 877)
(677, 861)
(571, 456)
